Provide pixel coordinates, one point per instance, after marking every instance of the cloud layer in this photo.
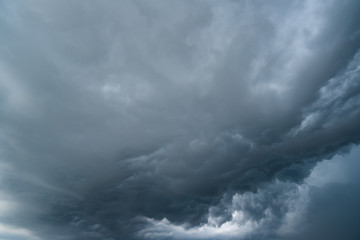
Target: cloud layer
(323, 206)
(116, 115)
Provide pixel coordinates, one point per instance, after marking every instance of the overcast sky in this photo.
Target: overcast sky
(179, 120)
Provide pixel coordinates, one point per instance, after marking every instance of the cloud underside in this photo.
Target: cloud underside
(323, 206)
(177, 119)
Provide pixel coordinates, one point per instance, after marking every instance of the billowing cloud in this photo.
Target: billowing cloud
(125, 119)
(281, 209)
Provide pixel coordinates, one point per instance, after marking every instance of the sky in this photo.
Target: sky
(179, 120)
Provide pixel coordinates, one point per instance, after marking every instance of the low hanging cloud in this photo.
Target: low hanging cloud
(281, 209)
(172, 119)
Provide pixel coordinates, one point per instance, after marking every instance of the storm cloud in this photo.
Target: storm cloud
(179, 119)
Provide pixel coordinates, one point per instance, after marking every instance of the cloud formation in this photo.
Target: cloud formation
(116, 115)
(281, 209)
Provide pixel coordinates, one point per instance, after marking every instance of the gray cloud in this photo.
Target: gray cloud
(118, 111)
(324, 205)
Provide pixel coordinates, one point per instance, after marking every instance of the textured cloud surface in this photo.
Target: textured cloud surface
(323, 206)
(179, 119)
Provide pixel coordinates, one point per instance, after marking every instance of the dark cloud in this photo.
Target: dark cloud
(323, 206)
(117, 114)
